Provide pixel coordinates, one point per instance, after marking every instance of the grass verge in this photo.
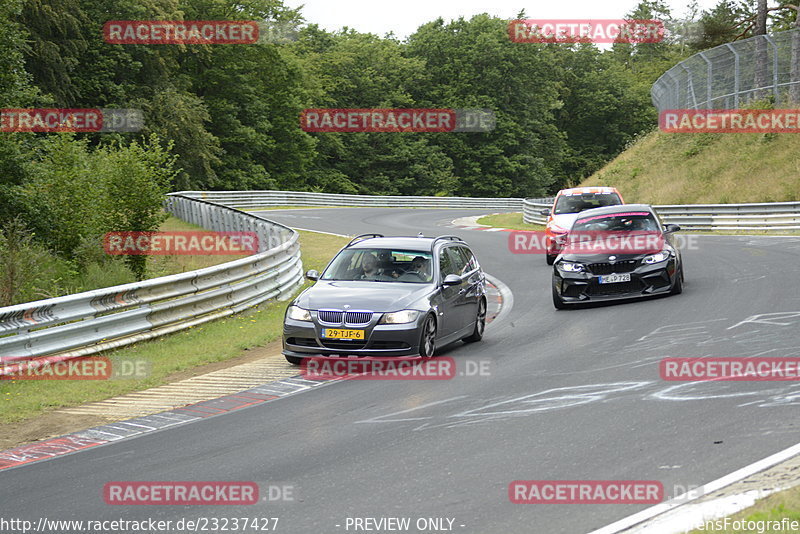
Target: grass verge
(784, 504)
(512, 221)
(212, 342)
(682, 168)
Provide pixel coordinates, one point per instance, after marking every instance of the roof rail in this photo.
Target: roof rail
(362, 237)
(446, 237)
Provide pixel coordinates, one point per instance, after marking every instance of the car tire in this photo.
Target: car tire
(480, 324)
(294, 360)
(550, 259)
(558, 302)
(677, 289)
(427, 338)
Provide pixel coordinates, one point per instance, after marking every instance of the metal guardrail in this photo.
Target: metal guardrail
(730, 75)
(770, 216)
(94, 321)
(87, 323)
(266, 199)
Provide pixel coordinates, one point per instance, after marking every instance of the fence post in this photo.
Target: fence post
(689, 84)
(737, 73)
(709, 78)
(774, 67)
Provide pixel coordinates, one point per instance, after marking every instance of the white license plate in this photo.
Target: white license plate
(615, 278)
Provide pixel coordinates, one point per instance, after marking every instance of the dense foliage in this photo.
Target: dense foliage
(227, 116)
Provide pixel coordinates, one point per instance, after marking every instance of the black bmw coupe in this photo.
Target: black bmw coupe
(617, 252)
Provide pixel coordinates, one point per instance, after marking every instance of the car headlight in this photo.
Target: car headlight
(571, 267)
(298, 314)
(657, 258)
(399, 317)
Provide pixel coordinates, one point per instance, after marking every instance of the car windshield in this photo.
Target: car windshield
(635, 221)
(585, 201)
(381, 265)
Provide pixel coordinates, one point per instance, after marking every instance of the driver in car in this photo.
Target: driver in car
(369, 267)
(421, 267)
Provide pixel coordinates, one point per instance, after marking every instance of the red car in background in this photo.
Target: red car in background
(566, 207)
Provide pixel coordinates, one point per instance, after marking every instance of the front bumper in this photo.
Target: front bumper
(646, 280)
(303, 339)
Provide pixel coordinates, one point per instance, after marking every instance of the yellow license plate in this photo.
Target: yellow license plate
(338, 333)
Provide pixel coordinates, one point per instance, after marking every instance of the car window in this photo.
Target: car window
(467, 262)
(457, 260)
(618, 222)
(380, 265)
(446, 264)
(585, 201)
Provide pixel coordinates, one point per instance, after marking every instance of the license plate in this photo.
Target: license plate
(338, 333)
(615, 278)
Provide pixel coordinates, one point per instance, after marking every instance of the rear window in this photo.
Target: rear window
(585, 201)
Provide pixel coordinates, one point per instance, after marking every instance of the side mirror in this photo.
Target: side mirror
(452, 280)
(670, 228)
(312, 275)
(544, 212)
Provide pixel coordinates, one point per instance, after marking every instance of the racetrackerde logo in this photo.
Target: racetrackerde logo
(397, 120)
(443, 368)
(84, 368)
(586, 492)
(180, 493)
(730, 369)
(54, 120)
(180, 32)
(587, 242)
(730, 121)
(180, 243)
(586, 31)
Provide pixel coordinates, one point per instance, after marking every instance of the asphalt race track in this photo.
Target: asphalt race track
(570, 395)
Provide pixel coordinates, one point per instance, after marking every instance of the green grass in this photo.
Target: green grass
(218, 340)
(675, 168)
(784, 504)
(512, 221)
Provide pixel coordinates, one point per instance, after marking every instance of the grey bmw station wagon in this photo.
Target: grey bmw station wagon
(389, 296)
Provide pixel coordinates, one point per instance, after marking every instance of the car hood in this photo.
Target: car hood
(564, 220)
(362, 295)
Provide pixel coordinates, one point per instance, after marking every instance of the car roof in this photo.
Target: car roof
(620, 208)
(421, 244)
(584, 190)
